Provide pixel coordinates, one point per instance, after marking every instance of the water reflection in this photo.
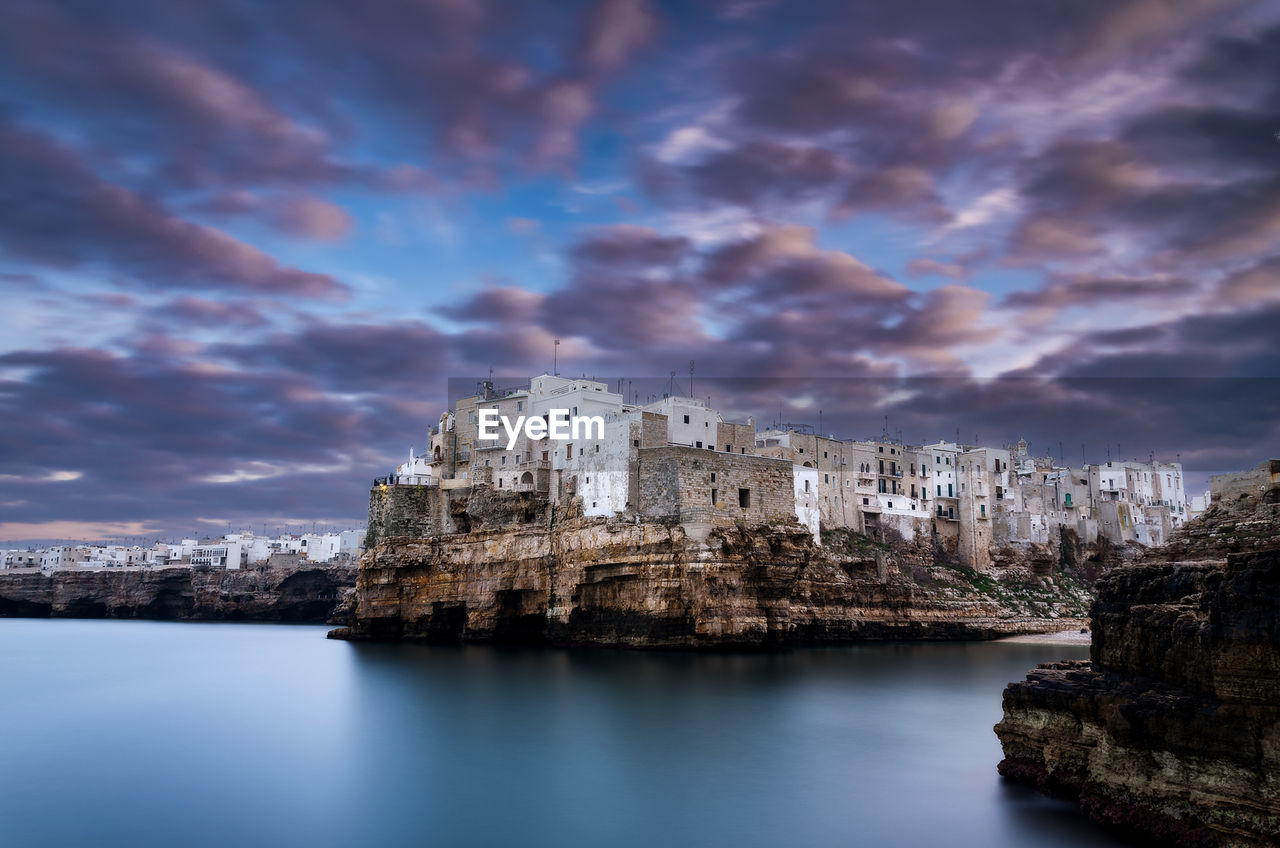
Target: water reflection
(157, 734)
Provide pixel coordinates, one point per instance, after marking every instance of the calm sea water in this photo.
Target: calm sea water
(118, 733)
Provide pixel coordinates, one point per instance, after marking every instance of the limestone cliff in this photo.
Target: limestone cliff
(1172, 729)
(313, 594)
(521, 571)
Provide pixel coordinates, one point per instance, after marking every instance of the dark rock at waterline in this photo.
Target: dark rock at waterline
(1172, 730)
(315, 594)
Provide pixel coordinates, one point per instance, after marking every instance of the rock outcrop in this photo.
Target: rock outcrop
(1172, 729)
(525, 572)
(313, 594)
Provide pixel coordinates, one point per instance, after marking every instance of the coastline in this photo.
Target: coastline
(317, 594)
(1060, 637)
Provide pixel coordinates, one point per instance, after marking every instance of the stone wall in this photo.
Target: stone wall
(740, 437)
(1251, 482)
(653, 430)
(676, 484)
(406, 511)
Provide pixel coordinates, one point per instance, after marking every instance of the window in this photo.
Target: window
(588, 479)
(882, 488)
(504, 460)
(881, 449)
(826, 478)
(890, 504)
(950, 493)
(728, 448)
(824, 454)
(984, 510)
(686, 419)
(635, 443)
(937, 460)
(597, 449)
(499, 486)
(867, 501)
(806, 485)
(518, 459)
(706, 423)
(715, 499)
(545, 455)
(713, 476)
(519, 406)
(744, 498)
(580, 450)
(882, 466)
(568, 451)
(697, 444)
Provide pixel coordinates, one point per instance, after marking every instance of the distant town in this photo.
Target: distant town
(231, 551)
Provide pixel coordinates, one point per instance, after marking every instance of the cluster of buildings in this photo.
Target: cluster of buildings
(678, 459)
(233, 550)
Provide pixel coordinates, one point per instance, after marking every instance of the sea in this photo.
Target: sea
(165, 734)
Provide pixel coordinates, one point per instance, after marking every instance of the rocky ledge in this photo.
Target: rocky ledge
(1171, 730)
(522, 573)
(317, 594)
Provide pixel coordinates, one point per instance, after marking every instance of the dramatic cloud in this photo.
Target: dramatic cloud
(244, 246)
(1079, 289)
(54, 210)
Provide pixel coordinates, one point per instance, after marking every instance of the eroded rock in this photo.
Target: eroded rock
(1172, 729)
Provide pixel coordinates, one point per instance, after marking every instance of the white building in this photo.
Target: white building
(219, 553)
(689, 421)
(806, 488)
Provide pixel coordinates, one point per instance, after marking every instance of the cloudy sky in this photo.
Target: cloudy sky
(244, 246)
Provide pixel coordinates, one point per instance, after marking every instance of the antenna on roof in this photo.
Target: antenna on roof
(555, 358)
(690, 378)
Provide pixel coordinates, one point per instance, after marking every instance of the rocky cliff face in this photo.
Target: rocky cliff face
(315, 594)
(1172, 729)
(525, 573)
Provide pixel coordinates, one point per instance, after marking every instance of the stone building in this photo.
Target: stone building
(678, 459)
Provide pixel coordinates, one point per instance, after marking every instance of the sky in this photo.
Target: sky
(244, 247)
